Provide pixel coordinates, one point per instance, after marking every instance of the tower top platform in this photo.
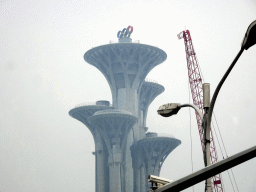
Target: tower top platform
(115, 113)
(82, 111)
(156, 141)
(152, 151)
(125, 65)
(153, 134)
(149, 91)
(114, 125)
(159, 140)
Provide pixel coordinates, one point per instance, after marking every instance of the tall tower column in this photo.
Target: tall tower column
(114, 126)
(100, 160)
(81, 112)
(142, 179)
(137, 163)
(115, 173)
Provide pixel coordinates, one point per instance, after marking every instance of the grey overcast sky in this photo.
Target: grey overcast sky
(43, 76)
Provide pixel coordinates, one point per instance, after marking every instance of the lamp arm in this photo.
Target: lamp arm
(193, 106)
(214, 97)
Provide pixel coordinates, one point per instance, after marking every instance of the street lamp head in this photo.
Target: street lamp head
(250, 36)
(169, 109)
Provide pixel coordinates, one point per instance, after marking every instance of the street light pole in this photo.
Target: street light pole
(173, 108)
(248, 41)
(208, 117)
(207, 152)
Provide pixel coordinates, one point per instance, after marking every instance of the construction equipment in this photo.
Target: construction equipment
(196, 87)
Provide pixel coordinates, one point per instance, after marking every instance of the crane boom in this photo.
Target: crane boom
(196, 87)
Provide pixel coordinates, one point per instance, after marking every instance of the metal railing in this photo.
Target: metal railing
(150, 80)
(112, 41)
(108, 111)
(85, 104)
(165, 135)
(90, 103)
(159, 135)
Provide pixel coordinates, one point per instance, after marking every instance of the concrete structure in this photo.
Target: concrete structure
(148, 155)
(124, 153)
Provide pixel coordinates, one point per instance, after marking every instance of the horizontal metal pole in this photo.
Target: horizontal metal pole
(193, 106)
(209, 171)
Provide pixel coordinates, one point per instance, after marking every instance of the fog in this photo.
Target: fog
(43, 75)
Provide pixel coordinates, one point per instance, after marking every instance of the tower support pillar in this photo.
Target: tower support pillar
(114, 175)
(100, 161)
(136, 179)
(142, 179)
(99, 171)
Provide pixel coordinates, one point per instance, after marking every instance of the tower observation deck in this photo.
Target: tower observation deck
(149, 155)
(119, 130)
(149, 91)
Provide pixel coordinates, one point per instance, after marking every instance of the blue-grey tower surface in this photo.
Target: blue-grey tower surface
(149, 153)
(119, 130)
(148, 156)
(81, 112)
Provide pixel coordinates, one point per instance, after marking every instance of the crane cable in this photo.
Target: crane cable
(225, 150)
(190, 133)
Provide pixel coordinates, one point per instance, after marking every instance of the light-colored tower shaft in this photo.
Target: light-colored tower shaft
(125, 66)
(149, 154)
(81, 113)
(114, 126)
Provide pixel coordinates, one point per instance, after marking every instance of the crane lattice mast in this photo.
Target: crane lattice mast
(196, 87)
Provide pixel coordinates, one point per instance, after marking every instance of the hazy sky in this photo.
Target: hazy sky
(43, 75)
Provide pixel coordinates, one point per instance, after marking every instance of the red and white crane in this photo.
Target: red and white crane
(196, 87)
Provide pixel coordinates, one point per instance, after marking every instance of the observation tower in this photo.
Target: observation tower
(119, 130)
